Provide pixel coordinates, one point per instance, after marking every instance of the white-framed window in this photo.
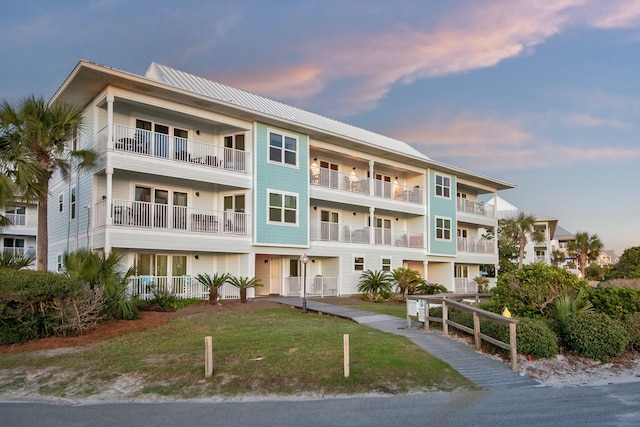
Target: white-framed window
(15, 246)
(59, 263)
(358, 263)
(386, 264)
(283, 148)
(443, 186)
(72, 203)
(283, 207)
(60, 202)
(443, 228)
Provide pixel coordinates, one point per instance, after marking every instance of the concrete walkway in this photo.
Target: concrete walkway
(477, 367)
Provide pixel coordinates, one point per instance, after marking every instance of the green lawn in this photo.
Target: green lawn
(264, 350)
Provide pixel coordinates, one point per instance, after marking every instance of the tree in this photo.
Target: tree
(515, 232)
(41, 132)
(244, 283)
(406, 280)
(557, 257)
(213, 283)
(628, 266)
(584, 249)
(376, 285)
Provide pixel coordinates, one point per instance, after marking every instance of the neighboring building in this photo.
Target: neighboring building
(197, 177)
(607, 257)
(20, 237)
(560, 242)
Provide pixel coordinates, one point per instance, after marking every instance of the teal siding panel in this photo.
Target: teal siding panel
(278, 177)
(446, 208)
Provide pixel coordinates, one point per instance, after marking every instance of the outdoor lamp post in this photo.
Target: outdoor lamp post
(305, 260)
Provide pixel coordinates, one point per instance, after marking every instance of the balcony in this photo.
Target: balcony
(476, 246)
(146, 287)
(317, 286)
(346, 233)
(475, 208)
(156, 216)
(351, 182)
(161, 146)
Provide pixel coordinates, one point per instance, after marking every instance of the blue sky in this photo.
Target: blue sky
(543, 94)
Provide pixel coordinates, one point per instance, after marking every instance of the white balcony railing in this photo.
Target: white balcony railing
(354, 183)
(317, 286)
(339, 232)
(159, 145)
(464, 285)
(18, 220)
(476, 246)
(475, 208)
(15, 250)
(127, 213)
(182, 287)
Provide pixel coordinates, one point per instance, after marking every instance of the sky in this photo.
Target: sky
(542, 94)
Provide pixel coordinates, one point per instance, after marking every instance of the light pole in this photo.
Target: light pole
(305, 260)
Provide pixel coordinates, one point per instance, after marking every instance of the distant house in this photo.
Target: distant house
(196, 177)
(20, 237)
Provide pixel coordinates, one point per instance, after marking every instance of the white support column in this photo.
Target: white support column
(109, 174)
(372, 228)
(371, 177)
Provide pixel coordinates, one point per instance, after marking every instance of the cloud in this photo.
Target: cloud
(587, 120)
(473, 36)
(490, 144)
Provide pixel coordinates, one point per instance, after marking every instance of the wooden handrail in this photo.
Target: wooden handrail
(449, 300)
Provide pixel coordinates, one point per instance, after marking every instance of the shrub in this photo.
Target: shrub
(615, 302)
(530, 291)
(535, 337)
(376, 285)
(595, 335)
(632, 326)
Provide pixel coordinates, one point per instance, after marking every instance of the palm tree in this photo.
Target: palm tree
(516, 231)
(406, 280)
(584, 249)
(41, 131)
(214, 283)
(244, 283)
(375, 284)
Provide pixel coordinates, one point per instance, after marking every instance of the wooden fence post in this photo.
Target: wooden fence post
(345, 339)
(426, 314)
(514, 347)
(208, 357)
(445, 318)
(408, 317)
(476, 330)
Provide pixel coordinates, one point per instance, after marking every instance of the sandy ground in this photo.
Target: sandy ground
(563, 370)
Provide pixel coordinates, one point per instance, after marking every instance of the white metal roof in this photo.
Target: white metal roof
(262, 105)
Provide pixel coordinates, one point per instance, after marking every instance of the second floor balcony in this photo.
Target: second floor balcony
(142, 142)
(349, 233)
(476, 246)
(351, 182)
(163, 217)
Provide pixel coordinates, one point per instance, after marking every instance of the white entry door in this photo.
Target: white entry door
(275, 283)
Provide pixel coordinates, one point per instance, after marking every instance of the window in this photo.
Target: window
(443, 186)
(462, 271)
(59, 263)
(15, 246)
(386, 264)
(443, 228)
(72, 207)
(358, 263)
(283, 208)
(283, 149)
(60, 203)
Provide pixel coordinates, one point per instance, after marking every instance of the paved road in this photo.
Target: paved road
(611, 405)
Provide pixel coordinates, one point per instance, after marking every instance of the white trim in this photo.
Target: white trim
(284, 194)
(435, 226)
(353, 263)
(382, 265)
(435, 185)
(284, 135)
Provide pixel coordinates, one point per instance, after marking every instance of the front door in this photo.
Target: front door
(275, 283)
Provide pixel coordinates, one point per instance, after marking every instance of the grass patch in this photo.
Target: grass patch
(264, 350)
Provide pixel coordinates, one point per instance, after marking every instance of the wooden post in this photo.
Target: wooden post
(208, 357)
(445, 318)
(345, 339)
(408, 317)
(514, 347)
(426, 314)
(476, 330)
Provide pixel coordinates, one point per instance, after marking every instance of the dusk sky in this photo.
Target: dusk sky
(543, 94)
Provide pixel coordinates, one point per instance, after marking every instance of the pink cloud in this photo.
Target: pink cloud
(587, 120)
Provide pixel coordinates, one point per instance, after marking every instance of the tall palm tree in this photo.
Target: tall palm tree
(518, 230)
(41, 132)
(584, 249)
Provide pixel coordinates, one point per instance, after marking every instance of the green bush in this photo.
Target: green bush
(615, 302)
(632, 325)
(530, 291)
(535, 337)
(596, 335)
